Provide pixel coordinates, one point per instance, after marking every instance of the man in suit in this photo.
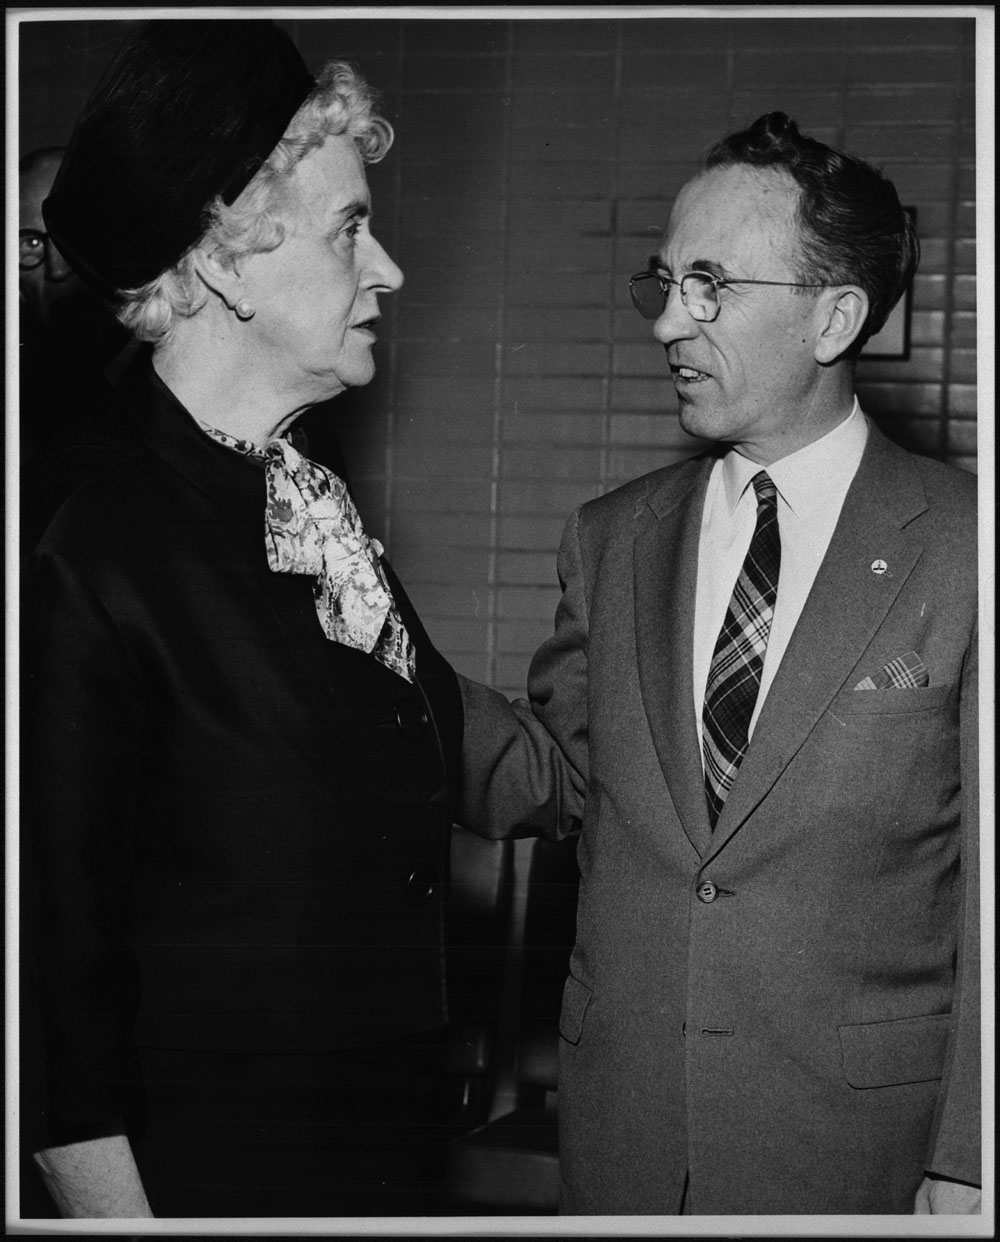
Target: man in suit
(759, 704)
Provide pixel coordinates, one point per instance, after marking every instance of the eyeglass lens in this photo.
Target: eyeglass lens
(32, 249)
(648, 295)
(698, 293)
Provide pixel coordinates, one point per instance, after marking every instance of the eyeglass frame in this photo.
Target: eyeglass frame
(46, 241)
(717, 282)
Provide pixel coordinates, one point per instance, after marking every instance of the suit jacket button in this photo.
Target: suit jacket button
(706, 891)
(412, 719)
(421, 885)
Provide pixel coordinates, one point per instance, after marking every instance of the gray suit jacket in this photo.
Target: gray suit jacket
(785, 1010)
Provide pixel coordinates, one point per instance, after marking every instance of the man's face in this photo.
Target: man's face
(749, 378)
(316, 296)
(53, 278)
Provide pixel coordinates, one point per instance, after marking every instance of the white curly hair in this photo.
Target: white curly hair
(341, 103)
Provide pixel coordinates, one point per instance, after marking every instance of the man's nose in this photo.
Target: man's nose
(674, 323)
(56, 268)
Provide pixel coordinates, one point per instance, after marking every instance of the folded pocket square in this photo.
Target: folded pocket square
(906, 672)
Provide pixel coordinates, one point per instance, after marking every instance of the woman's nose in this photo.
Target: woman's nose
(386, 274)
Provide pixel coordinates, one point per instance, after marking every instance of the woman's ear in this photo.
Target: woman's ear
(843, 311)
(221, 277)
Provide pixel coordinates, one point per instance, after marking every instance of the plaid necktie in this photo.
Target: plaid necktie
(734, 674)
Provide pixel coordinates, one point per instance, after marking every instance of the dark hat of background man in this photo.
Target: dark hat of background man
(187, 110)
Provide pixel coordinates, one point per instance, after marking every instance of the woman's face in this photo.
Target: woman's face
(315, 297)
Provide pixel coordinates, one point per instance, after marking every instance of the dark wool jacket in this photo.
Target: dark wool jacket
(235, 831)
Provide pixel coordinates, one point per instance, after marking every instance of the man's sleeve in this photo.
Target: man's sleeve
(525, 763)
(954, 1149)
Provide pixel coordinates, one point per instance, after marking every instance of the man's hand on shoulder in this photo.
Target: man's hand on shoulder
(939, 1197)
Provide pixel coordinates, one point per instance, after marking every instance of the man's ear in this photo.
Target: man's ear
(221, 277)
(843, 312)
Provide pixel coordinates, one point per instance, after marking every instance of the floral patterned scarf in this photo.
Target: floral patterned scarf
(313, 527)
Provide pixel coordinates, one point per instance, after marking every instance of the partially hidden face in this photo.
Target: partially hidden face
(749, 375)
(315, 297)
(42, 286)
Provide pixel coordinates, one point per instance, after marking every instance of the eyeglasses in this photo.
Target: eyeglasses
(699, 292)
(34, 246)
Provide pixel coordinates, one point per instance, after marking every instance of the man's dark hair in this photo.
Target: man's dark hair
(852, 228)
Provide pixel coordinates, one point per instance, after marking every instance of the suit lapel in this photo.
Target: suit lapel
(666, 571)
(846, 606)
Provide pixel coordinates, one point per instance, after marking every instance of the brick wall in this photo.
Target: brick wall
(533, 172)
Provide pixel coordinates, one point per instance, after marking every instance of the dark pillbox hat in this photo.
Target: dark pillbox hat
(188, 110)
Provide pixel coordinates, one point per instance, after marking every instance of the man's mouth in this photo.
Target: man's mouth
(688, 374)
(367, 325)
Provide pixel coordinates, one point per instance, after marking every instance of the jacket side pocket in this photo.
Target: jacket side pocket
(576, 1000)
(887, 1054)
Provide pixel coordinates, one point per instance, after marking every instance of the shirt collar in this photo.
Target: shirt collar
(810, 478)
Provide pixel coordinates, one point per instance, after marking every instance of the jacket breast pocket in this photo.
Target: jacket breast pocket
(576, 1001)
(890, 702)
(887, 1054)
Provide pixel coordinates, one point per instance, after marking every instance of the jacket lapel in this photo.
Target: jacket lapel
(666, 571)
(846, 606)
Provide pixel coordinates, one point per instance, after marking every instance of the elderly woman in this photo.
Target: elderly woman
(238, 742)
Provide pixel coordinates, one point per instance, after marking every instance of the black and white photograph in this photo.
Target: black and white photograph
(500, 621)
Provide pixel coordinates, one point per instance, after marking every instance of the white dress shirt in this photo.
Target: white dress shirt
(812, 484)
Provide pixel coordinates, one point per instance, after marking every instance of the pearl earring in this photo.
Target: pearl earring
(244, 310)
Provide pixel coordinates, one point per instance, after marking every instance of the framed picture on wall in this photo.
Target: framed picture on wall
(894, 339)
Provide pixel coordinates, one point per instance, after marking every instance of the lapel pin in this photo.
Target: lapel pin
(879, 566)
